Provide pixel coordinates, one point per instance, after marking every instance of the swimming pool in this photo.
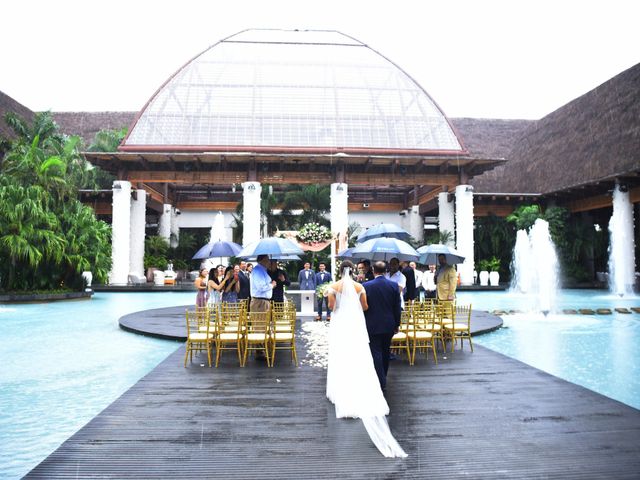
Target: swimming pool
(63, 363)
(598, 352)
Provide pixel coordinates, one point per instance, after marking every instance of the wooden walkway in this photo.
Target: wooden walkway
(475, 415)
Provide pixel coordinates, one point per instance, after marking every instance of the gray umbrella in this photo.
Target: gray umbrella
(429, 254)
(385, 249)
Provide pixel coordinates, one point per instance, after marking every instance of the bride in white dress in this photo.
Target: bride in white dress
(352, 382)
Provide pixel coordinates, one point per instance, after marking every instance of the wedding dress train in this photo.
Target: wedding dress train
(352, 382)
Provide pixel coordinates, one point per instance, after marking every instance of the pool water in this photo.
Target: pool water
(63, 363)
(598, 352)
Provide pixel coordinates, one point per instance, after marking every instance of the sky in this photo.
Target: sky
(476, 58)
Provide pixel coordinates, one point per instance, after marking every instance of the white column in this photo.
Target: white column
(464, 233)
(446, 221)
(121, 228)
(174, 229)
(137, 224)
(251, 212)
(164, 224)
(339, 216)
(416, 224)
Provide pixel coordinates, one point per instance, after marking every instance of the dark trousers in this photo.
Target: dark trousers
(380, 346)
(324, 300)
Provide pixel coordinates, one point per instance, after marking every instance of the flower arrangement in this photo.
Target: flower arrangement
(313, 233)
(321, 290)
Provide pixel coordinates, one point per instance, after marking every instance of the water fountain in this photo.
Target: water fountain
(621, 244)
(218, 233)
(535, 267)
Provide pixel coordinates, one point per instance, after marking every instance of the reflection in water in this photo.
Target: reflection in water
(595, 351)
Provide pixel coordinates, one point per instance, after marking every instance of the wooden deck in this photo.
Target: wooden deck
(169, 323)
(474, 415)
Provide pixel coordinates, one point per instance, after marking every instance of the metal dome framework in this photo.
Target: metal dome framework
(292, 107)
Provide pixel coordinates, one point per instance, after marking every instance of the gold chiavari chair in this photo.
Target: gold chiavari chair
(230, 320)
(197, 340)
(445, 314)
(283, 330)
(400, 340)
(422, 337)
(257, 335)
(460, 328)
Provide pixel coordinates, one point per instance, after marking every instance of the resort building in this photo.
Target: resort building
(272, 108)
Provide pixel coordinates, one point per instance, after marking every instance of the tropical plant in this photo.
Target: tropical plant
(314, 200)
(48, 237)
(28, 234)
(107, 140)
(156, 249)
(354, 227)
(88, 244)
(490, 265)
(494, 237)
(524, 216)
(440, 237)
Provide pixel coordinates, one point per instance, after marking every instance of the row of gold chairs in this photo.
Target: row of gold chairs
(424, 325)
(229, 326)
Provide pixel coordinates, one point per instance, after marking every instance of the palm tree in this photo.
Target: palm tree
(88, 244)
(107, 140)
(43, 127)
(27, 232)
(314, 200)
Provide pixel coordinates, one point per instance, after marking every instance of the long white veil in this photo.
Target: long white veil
(352, 383)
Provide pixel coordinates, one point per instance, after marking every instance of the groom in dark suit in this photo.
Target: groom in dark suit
(383, 319)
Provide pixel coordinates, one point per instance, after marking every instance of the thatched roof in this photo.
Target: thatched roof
(8, 104)
(487, 137)
(87, 124)
(594, 138)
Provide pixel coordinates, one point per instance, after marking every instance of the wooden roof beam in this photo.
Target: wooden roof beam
(143, 162)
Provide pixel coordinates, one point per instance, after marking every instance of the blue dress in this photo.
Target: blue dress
(230, 297)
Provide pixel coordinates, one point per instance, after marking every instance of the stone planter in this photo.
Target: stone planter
(494, 279)
(484, 278)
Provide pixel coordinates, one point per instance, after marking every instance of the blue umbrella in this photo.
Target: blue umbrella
(346, 253)
(388, 230)
(385, 249)
(220, 248)
(272, 246)
(429, 254)
(282, 257)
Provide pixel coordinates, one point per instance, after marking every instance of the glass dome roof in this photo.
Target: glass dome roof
(274, 89)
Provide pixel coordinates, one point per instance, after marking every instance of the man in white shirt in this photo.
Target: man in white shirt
(395, 275)
(261, 286)
(429, 282)
(418, 276)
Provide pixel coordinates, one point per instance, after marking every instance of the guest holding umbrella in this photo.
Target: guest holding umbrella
(282, 280)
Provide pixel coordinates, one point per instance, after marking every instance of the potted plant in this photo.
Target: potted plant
(494, 275)
(483, 266)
